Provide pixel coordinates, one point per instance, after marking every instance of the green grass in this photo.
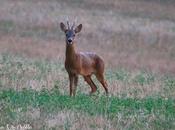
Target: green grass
(52, 101)
(6, 26)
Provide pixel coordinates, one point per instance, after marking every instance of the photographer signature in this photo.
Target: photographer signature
(16, 127)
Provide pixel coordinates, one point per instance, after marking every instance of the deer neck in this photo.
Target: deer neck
(70, 52)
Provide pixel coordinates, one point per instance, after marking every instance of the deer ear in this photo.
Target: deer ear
(63, 27)
(78, 28)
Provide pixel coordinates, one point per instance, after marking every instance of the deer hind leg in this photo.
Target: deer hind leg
(101, 79)
(91, 83)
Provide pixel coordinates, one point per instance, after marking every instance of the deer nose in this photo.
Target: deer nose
(69, 40)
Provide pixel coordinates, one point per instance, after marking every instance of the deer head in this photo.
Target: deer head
(70, 32)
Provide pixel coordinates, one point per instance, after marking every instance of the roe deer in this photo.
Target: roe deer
(82, 63)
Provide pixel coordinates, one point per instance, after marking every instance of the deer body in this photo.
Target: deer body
(82, 63)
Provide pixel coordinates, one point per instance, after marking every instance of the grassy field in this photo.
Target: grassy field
(134, 37)
(35, 92)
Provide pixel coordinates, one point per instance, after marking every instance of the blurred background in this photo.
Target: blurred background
(134, 34)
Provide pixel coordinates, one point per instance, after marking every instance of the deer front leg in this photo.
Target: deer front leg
(75, 84)
(71, 81)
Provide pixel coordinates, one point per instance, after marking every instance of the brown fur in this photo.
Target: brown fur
(83, 63)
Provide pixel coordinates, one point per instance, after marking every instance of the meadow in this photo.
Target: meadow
(134, 37)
